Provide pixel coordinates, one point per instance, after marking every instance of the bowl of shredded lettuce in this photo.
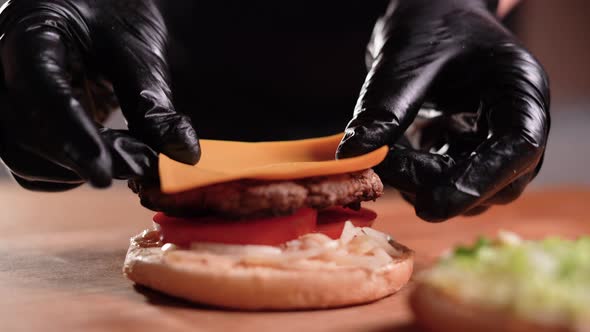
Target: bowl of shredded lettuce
(547, 280)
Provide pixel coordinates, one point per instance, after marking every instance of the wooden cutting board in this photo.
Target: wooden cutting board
(61, 257)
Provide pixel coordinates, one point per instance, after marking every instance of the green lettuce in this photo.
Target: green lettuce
(546, 280)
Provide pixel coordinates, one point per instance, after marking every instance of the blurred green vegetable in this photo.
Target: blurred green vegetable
(546, 280)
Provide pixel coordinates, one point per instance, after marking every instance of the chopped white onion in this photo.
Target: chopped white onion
(282, 259)
(312, 240)
(348, 232)
(303, 254)
(234, 249)
(382, 240)
(362, 247)
(370, 262)
(376, 234)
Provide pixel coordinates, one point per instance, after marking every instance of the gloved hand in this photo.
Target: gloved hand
(462, 105)
(63, 62)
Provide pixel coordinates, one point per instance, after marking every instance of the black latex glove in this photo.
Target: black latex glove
(63, 64)
(463, 106)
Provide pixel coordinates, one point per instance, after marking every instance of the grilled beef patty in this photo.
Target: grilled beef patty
(256, 198)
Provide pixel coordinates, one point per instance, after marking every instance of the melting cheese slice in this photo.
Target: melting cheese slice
(224, 161)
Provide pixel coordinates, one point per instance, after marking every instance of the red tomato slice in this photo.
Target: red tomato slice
(331, 221)
(264, 231)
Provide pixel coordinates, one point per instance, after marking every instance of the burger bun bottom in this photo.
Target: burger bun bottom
(211, 281)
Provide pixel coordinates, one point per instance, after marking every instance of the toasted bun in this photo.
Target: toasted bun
(209, 280)
(435, 310)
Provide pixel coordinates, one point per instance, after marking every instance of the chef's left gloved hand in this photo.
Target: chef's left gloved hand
(62, 62)
(462, 105)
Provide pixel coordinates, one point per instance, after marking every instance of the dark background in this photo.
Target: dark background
(556, 33)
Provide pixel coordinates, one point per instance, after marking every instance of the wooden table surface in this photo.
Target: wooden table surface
(61, 257)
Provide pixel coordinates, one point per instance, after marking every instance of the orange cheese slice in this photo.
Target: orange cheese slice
(224, 161)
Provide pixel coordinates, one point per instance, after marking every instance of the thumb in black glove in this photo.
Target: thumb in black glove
(62, 61)
(463, 106)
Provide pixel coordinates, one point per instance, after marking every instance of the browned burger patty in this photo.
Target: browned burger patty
(245, 198)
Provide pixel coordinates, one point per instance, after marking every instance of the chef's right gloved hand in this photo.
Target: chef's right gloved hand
(63, 63)
(462, 104)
